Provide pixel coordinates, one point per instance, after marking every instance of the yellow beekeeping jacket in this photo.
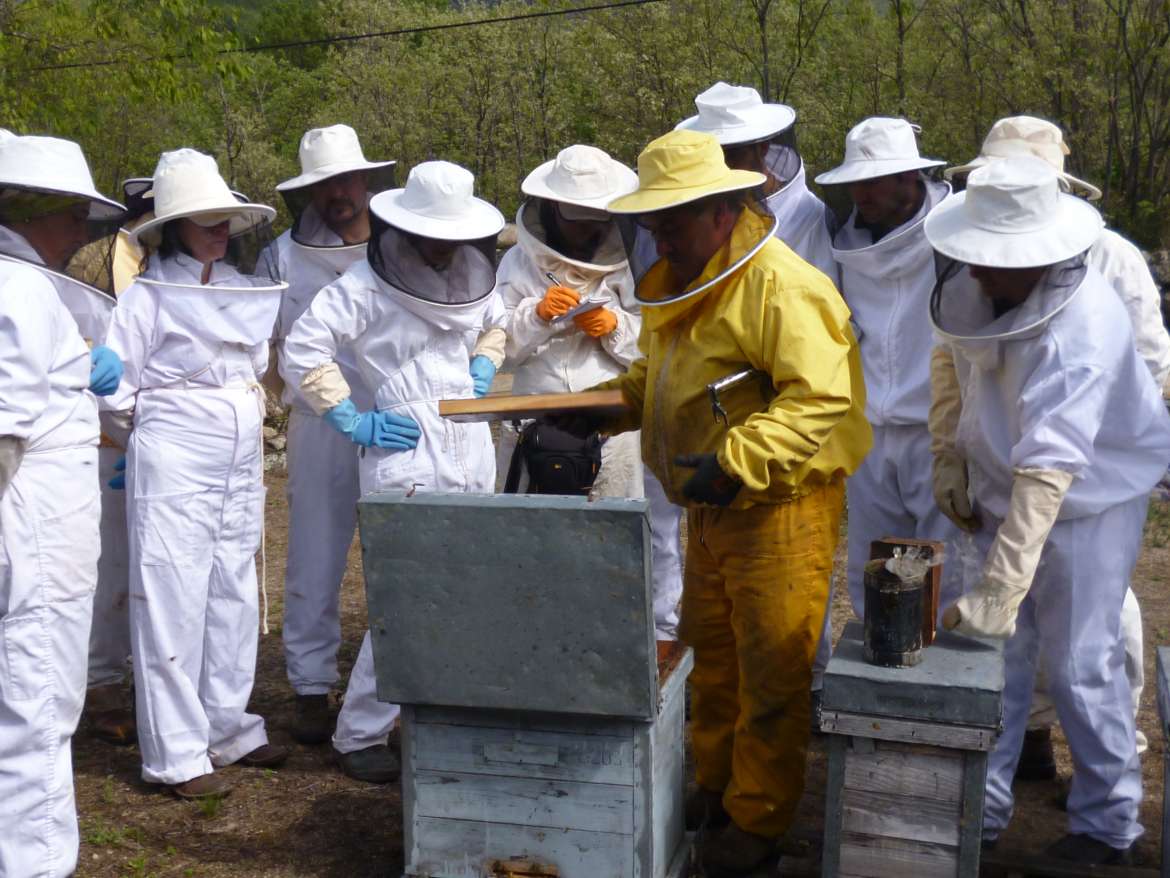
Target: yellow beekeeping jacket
(776, 314)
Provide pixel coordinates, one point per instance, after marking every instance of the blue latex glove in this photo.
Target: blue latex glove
(483, 371)
(106, 371)
(373, 429)
(118, 482)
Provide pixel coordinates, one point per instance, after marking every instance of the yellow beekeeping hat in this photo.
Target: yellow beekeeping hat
(681, 167)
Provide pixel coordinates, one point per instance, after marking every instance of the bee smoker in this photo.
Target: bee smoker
(895, 604)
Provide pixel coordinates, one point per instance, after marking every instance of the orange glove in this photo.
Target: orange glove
(598, 322)
(557, 300)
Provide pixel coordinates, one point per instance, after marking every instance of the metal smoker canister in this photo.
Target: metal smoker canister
(893, 617)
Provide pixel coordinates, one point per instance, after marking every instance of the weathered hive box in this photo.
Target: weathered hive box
(908, 758)
(542, 732)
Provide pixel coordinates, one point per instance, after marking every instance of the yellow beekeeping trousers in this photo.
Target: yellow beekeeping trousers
(755, 591)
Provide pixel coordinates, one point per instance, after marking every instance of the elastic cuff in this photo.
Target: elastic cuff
(491, 344)
(325, 387)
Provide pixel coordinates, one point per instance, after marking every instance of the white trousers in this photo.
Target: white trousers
(1043, 715)
(48, 572)
(109, 638)
(364, 721)
(1072, 619)
(322, 499)
(195, 505)
(891, 495)
(622, 474)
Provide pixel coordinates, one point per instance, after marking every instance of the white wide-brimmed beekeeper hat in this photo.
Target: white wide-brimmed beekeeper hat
(438, 202)
(878, 147)
(51, 166)
(737, 114)
(1013, 214)
(187, 185)
(582, 176)
(329, 152)
(1027, 135)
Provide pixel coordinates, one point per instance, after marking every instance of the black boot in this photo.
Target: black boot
(1037, 761)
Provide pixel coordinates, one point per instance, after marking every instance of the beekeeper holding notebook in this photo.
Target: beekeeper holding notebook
(424, 322)
(193, 332)
(1049, 416)
(49, 501)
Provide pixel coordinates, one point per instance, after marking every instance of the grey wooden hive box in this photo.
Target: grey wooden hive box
(908, 758)
(517, 632)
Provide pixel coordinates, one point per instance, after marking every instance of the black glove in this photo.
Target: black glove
(709, 484)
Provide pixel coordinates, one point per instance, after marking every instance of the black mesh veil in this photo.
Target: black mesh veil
(308, 226)
(432, 270)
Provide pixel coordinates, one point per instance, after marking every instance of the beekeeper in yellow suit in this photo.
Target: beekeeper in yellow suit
(764, 492)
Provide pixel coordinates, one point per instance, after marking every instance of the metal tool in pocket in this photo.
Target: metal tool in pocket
(729, 382)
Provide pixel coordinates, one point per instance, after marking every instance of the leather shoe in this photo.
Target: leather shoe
(1037, 759)
(1087, 851)
(203, 787)
(314, 720)
(375, 764)
(266, 756)
(113, 726)
(736, 853)
(704, 808)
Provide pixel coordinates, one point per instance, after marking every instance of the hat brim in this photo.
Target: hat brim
(246, 216)
(871, 169)
(652, 200)
(1073, 230)
(536, 186)
(482, 220)
(1075, 185)
(327, 171)
(767, 121)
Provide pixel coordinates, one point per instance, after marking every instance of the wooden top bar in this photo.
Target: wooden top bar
(508, 407)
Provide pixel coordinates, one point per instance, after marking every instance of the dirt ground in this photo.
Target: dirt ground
(307, 819)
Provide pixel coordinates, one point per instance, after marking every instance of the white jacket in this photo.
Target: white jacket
(803, 225)
(558, 357)
(411, 354)
(1126, 270)
(44, 361)
(173, 332)
(887, 286)
(306, 269)
(1055, 383)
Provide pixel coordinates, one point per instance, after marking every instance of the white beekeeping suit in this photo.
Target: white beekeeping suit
(886, 280)
(193, 333)
(424, 323)
(756, 136)
(552, 352)
(330, 195)
(1127, 272)
(49, 501)
(1050, 414)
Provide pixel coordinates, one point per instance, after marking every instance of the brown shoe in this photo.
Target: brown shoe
(314, 720)
(735, 853)
(113, 726)
(203, 787)
(704, 808)
(267, 756)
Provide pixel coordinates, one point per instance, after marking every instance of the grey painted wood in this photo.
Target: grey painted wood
(872, 857)
(971, 824)
(888, 815)
(525, 721)
(868, 726)
(834, 799)
(548, 609)
(959, 681)
(1163, 671)
(906, 770)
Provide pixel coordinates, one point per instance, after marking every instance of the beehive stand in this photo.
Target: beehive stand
(542, 730)
(908, 758)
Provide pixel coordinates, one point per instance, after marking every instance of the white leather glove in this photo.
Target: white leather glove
(990, 609)
(11, 454)
(950, 467)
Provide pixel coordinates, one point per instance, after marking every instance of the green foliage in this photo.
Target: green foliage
(501, 98)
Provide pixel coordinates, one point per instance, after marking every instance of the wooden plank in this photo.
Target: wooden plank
(891, 816)
(906, 770)
(461, 849)
(666, 779)
(516, 753)
(1163, 674)
(834, 796)
(865, 726)
(971, 836)
(868, 857)
(526, 721)
(508, 407)
(556, 805)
